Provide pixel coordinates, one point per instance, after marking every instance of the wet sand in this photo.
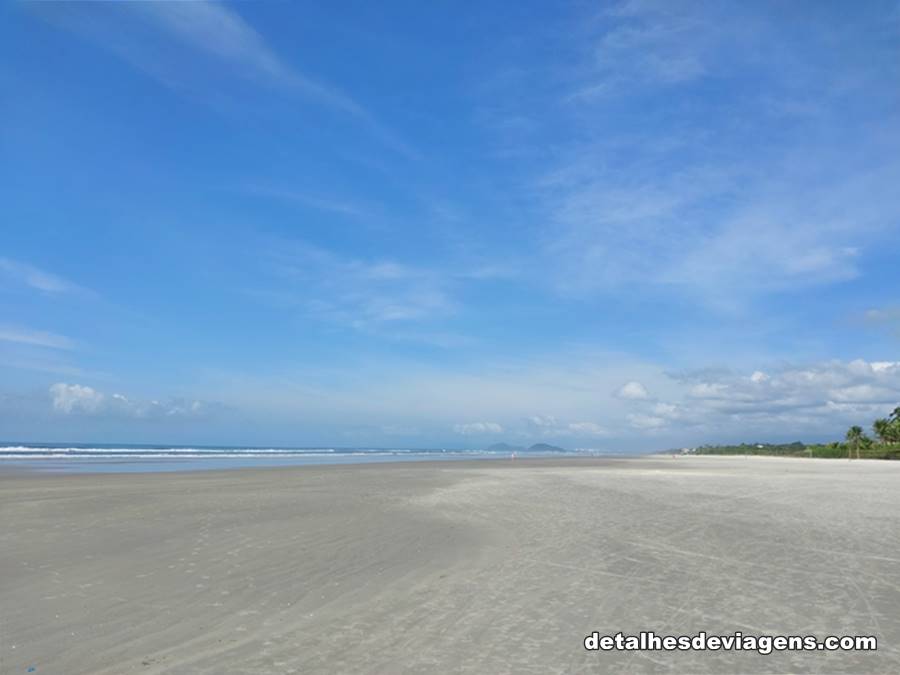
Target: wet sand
(475, 567)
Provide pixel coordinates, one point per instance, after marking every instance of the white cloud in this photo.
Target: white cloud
(818, 399)
(35, 338)
(478, 428)
(632, 391)
(75, 398)
(667, 410)
(542, 422)
(72, 399)
(576, 399)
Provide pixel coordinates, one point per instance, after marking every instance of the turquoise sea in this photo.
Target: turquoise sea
(126, 458)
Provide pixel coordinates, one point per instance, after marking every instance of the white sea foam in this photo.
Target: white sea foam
(30, 452)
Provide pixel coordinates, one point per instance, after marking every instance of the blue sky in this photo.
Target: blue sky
(623, 226)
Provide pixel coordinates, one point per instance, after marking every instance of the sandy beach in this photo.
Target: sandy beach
(471, 567)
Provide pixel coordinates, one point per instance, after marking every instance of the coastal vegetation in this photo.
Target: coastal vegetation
(884, 443)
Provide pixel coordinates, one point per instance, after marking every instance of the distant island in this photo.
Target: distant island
(537, 447)
(856, 444)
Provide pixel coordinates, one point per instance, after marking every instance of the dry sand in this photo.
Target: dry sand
(487, 567)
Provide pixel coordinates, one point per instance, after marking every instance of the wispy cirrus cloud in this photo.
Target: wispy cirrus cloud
(180, 43)
(26, 336)
(361, 293)
(343, 207)
(707, 155)
(17, 272)
(422, 301)
(639, 44)
(221, 33)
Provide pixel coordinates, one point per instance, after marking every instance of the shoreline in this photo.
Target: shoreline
(13, 468)
(137, 466)
(107, 465)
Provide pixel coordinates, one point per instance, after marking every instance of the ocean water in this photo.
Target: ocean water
(116, 458)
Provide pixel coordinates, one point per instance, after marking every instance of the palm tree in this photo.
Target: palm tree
(893, 429)
(854, 438)
(882, 429)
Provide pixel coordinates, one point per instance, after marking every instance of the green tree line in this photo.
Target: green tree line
(887, 432)
(856, 444)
